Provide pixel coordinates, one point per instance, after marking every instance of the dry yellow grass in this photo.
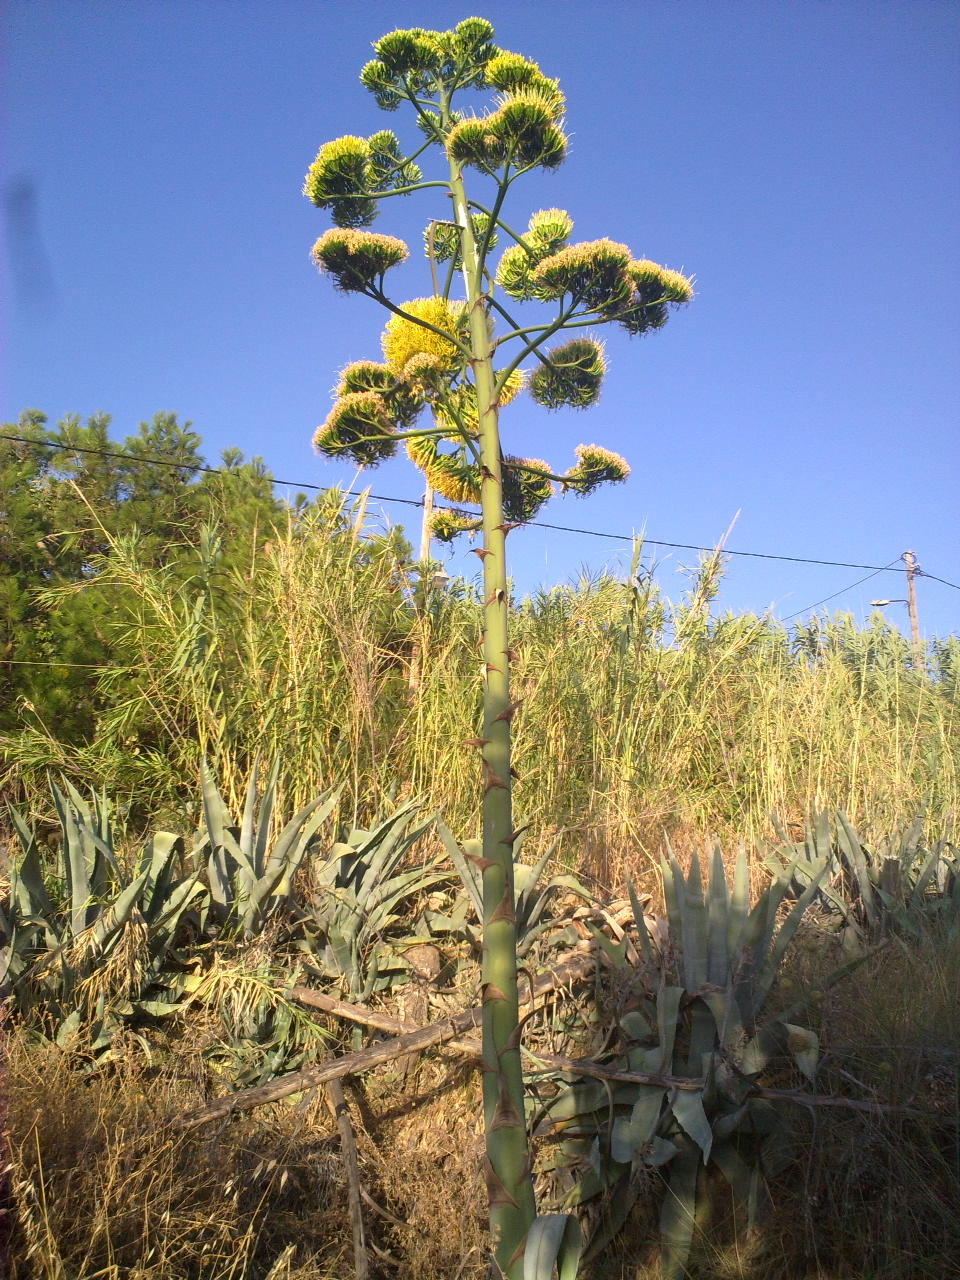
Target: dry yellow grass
(105, 1191)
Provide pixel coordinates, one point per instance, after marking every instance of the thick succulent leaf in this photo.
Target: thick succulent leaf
(661, 1152)
(858, 859)
(616, 952)
(554, 1242)
(468, 874)
(719, 960)
(75, 866)
(771, 960)
(265, 817)
(214, 810)
(673, 886)
(180, 897)
(381, 848)
(678, 1212)
(693, 917)
(287, 855)
(581, 1099)
(769, 1042)
(158, 859)
(27, 890)
(616, 1211)
(703, 1036)
(643, 933)
(688, 1108)
(526, 878)
(668, 1012)
(635, 1025)
(249, 813)
(631, 1134)
(112, 919)
(726, 1016)
(745, 1180)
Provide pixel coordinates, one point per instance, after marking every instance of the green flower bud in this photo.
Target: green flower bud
(447, 525)
(364, 375)
(511, 71)
(359, 427)
(514, 273)
(471, 143)
(593, 273)
(648, 280)
(379, 81)
(525, 491)
(677, 287)
(653, 287)
(571, 375)
(357, 259)
(525, 129)
(473, 33)
(410, 50)
(595, 466)
(387, 168)
(403, 400)
(339, 169)
(405, 404)
(549, 230)
(518, 75)
(431, 126)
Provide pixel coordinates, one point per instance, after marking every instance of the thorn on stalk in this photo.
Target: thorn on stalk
(508, 712)
(506, 528)
(514, 835)
(481, 552)
(475, 742)
(492, 779)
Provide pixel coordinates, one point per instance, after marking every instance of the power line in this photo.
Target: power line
(922, 573)
(816, 604)
(418, 502)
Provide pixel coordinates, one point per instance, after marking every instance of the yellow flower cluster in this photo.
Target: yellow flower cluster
(403, 338)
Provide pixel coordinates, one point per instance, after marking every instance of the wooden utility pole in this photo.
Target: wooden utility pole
(426, 529)
(910, 561)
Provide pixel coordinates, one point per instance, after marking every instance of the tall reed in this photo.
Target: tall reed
(641, 715)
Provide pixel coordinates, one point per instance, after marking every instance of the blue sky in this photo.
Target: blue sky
(802, 160)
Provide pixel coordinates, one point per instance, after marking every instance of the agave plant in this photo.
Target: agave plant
(358, 896)
(867, 892)
(533, 894)
(96, 944)
(250, 874)
(700, 1024)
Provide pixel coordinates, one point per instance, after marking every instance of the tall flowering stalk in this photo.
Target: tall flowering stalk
(450, 364)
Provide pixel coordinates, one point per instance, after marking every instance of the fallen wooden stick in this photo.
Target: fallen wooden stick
(351, 1165)
(576, 969)
(586, 1066)
(469, 1046)
(569, 1066)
